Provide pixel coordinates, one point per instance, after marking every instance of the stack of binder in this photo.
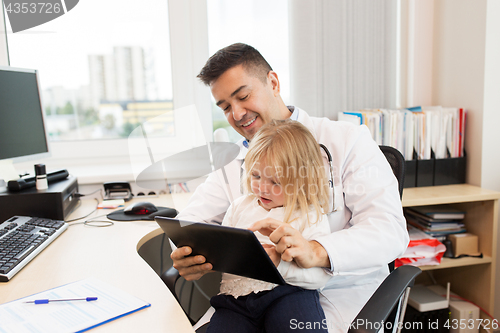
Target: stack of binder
(436, 221)
(430, 138)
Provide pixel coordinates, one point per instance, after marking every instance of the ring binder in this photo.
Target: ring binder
(433, 172)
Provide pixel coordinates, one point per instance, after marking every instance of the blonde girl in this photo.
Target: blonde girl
(285, 180)
(293, 161)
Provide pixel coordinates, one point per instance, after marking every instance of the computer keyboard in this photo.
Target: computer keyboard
(22, 238)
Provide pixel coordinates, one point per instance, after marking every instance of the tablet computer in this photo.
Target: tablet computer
(228, 249)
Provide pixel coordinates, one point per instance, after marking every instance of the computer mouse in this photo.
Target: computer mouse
(140, 208)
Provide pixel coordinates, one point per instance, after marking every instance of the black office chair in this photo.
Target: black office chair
(389, 298)
(397, 163)
(388, 301)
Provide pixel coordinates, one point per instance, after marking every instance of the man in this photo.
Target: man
(366, 219)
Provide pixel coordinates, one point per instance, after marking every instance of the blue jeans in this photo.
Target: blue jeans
(283, 309)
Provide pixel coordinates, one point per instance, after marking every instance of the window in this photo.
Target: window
(105, 68)
(259, 23)
(100, 80)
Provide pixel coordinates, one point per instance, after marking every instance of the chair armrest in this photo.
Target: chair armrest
(383, 301)
(170, 277)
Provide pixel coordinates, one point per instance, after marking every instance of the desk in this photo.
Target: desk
(109, 254)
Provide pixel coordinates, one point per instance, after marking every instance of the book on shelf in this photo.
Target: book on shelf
(438, 228)
(435, 225)
(423, 129)
(447, 226)
(441, 231)
(436, 212)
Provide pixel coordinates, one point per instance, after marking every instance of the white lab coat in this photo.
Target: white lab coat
(368, 227)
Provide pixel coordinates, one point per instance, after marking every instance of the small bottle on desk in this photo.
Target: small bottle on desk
(41, 177)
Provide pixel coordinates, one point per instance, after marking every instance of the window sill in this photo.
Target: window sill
(93, 174)
(96, 171)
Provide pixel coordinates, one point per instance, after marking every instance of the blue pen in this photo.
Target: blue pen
(46, 301)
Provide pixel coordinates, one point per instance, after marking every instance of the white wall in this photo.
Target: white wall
(459, 44)
(466, 73)
(490, 175)
(417, 23)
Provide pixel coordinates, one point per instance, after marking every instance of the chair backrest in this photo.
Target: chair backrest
(397, 163)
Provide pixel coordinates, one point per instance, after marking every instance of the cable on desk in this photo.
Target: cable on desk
(78, 195)
(95, 209)
(95, 223)
(98, 223)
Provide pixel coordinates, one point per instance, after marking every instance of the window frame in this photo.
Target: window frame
(189, 51)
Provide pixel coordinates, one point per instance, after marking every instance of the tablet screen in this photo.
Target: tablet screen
(228, 249)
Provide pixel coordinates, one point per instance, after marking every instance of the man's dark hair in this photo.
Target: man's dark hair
(231, 56)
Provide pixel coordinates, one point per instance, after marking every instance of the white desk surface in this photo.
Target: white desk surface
(109, 254)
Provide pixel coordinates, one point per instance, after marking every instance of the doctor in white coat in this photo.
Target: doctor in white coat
(366, 218)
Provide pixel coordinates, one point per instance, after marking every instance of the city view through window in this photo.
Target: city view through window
(101, 75)
(122, 93)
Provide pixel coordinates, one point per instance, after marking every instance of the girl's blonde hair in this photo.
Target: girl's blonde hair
(295, 156)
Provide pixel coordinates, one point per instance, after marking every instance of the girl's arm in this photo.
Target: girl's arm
(308, 278)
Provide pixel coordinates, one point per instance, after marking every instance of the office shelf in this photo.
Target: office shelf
(449, 263)
(472, 278)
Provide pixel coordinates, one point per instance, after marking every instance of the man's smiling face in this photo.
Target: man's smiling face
(247, 102)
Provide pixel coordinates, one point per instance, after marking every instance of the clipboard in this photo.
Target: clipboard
(229, 250)
(78, 316)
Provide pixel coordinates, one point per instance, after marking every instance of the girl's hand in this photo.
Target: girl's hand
(290, 244)
(271, 252)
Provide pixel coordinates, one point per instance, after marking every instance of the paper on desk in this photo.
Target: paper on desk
(75, 316)
(111, 204)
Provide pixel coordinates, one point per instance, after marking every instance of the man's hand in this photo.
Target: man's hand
(190, 268)
(291, 245)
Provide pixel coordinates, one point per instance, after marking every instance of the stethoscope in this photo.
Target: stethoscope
(330, 164)
(330, 181)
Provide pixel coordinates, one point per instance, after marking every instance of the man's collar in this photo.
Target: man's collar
(294, 116)
(294, 111)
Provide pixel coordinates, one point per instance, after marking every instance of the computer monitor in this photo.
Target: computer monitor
(22, 127)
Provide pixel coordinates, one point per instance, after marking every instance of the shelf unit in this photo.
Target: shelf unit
(472, 278)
